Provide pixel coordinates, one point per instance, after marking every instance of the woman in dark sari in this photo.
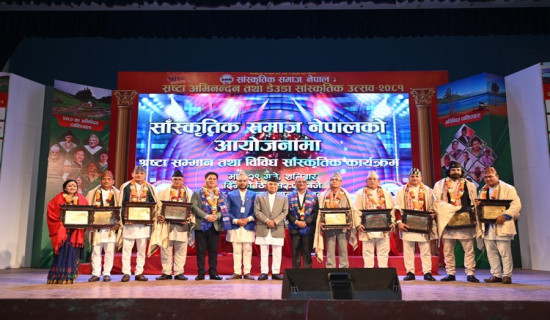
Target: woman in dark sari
(67, 243)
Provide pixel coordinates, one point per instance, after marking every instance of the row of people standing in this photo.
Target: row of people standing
(251, 218)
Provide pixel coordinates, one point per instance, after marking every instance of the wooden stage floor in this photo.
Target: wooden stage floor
(31, 284)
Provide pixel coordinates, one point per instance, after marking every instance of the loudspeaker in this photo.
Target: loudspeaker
(354, 283)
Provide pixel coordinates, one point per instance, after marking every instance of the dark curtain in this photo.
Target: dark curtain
(267, 24)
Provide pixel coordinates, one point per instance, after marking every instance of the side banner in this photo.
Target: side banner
(546, 91)
(4, 87)
(473, 127)
(79, 138)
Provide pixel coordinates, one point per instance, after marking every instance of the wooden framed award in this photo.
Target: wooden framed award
(335, 218)
(74, 217)
(104, 217)
(490, 209)
(376, 220)
(417, 221)
(138, 213)
(176, 212)
(462, 220)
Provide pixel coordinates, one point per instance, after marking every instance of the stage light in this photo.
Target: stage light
(231, 108)
(322, 110)
(175, 111)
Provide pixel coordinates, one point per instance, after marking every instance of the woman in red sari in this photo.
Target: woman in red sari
(67, 243)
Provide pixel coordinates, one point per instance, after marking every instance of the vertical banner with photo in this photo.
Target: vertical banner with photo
(4, 87)
(79, 138)
(473, 127)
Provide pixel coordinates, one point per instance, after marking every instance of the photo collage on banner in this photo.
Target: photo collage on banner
(79, 139)
(4, 88)
(473, 126)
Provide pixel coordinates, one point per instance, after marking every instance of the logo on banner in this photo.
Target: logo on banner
(226, 79)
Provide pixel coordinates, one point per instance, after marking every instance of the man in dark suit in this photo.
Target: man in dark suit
(208, 204)
(464, 137)
(302, 214)
(270, 209)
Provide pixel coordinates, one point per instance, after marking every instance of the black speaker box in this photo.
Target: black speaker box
(353, 283)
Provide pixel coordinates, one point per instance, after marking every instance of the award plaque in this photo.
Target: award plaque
(376, 220)
(418, 221)
(489, 210)
(176, 212)
(462, 220)
(335, 218)
(139, 213)
(104, 217)
(74, 217)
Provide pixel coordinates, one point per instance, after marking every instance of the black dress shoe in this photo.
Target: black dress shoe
(164, 277)
(262, 277)
(507, 280)
(215, 277)
(125, 278)
(248, 277)
(93, 279)
(410, 276)
(428, 277)
(180, 277)
(472, 278)
(140, 277)
(493, 279)
(106, 278)
(449, 277)
(200, 277)
(234, 277)
(276, 277)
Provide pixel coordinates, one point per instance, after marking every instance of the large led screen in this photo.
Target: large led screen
(282, 135)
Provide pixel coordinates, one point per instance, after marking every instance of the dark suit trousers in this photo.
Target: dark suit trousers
(300, 247)
(207, 240)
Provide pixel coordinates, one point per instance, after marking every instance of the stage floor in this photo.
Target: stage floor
(31, 284)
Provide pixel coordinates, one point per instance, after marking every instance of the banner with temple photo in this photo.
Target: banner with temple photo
(78, 143)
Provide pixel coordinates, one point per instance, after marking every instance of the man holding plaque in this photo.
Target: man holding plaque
(373, 197)
(270, 209)
(240, 206)
(104, 195)
(455, 194)
(172, 237)
(208, 204)
(302, 214)
(416, 196)
(499, 235)
(136, 190)
(334, 197)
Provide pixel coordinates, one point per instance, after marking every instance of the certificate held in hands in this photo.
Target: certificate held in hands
(335, 218)
(74, 217)
(176, 212)
(376, 220)
(138, 213)
(417, 221)
(490, 209)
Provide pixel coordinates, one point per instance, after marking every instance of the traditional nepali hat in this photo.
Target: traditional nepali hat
(242, 174)
(373, 174)
(336, 175)
(273, 179)
(139, 169)
(177, 174)
(455, 165)
(415, 172)
(108, 173)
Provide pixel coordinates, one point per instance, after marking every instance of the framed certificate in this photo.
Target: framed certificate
(138, 213)
(376, 220)
(74, 217)
(418, 221)
(176, 212)
(489, 209)
(335, 218)
(104, 217)
(462, 220)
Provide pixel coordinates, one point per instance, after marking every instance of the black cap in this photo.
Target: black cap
(273, 179)
(177, 173)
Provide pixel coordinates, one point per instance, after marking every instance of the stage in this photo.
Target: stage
(25, 294)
